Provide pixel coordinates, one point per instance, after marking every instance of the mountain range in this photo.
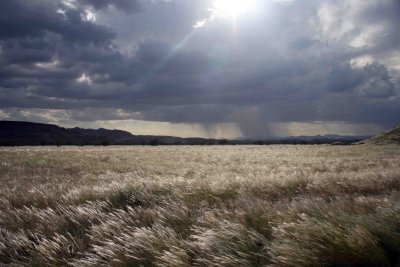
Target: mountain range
(19, 133)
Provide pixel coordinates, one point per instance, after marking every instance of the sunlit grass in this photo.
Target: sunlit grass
(200, 206)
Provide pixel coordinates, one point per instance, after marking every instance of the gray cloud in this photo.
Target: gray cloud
(130, 6)
(22, 19)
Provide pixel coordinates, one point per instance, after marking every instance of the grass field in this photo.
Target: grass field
(200, 206)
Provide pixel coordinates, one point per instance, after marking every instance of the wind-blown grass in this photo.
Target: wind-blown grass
(200, 206)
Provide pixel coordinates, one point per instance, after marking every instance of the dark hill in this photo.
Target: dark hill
(111, 134)
(387, 138)
(29, 133)
(17, 133)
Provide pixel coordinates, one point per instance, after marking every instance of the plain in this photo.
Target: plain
(200, 206)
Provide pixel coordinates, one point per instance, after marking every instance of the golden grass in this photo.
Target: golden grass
(200, 206)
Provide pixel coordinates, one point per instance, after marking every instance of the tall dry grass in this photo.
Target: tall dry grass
(200, 206)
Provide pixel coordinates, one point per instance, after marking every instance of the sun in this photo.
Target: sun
(231, 8)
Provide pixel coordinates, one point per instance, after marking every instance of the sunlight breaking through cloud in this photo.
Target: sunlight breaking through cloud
(205, 62)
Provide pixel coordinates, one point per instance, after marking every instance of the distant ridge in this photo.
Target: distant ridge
(112, 134)
(19, 133)
(29, 133)
(386, 138)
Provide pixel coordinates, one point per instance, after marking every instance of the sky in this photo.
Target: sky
(207, 68)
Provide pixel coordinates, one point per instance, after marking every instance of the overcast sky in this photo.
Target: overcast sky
(210, 68)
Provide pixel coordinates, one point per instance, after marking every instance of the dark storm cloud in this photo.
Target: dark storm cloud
(289, 61)
(386, 12)
(373, 80)
(21, 19)
(27, 51)
(343, 78)
(130, 6)
(34, 33)
(154, 61)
